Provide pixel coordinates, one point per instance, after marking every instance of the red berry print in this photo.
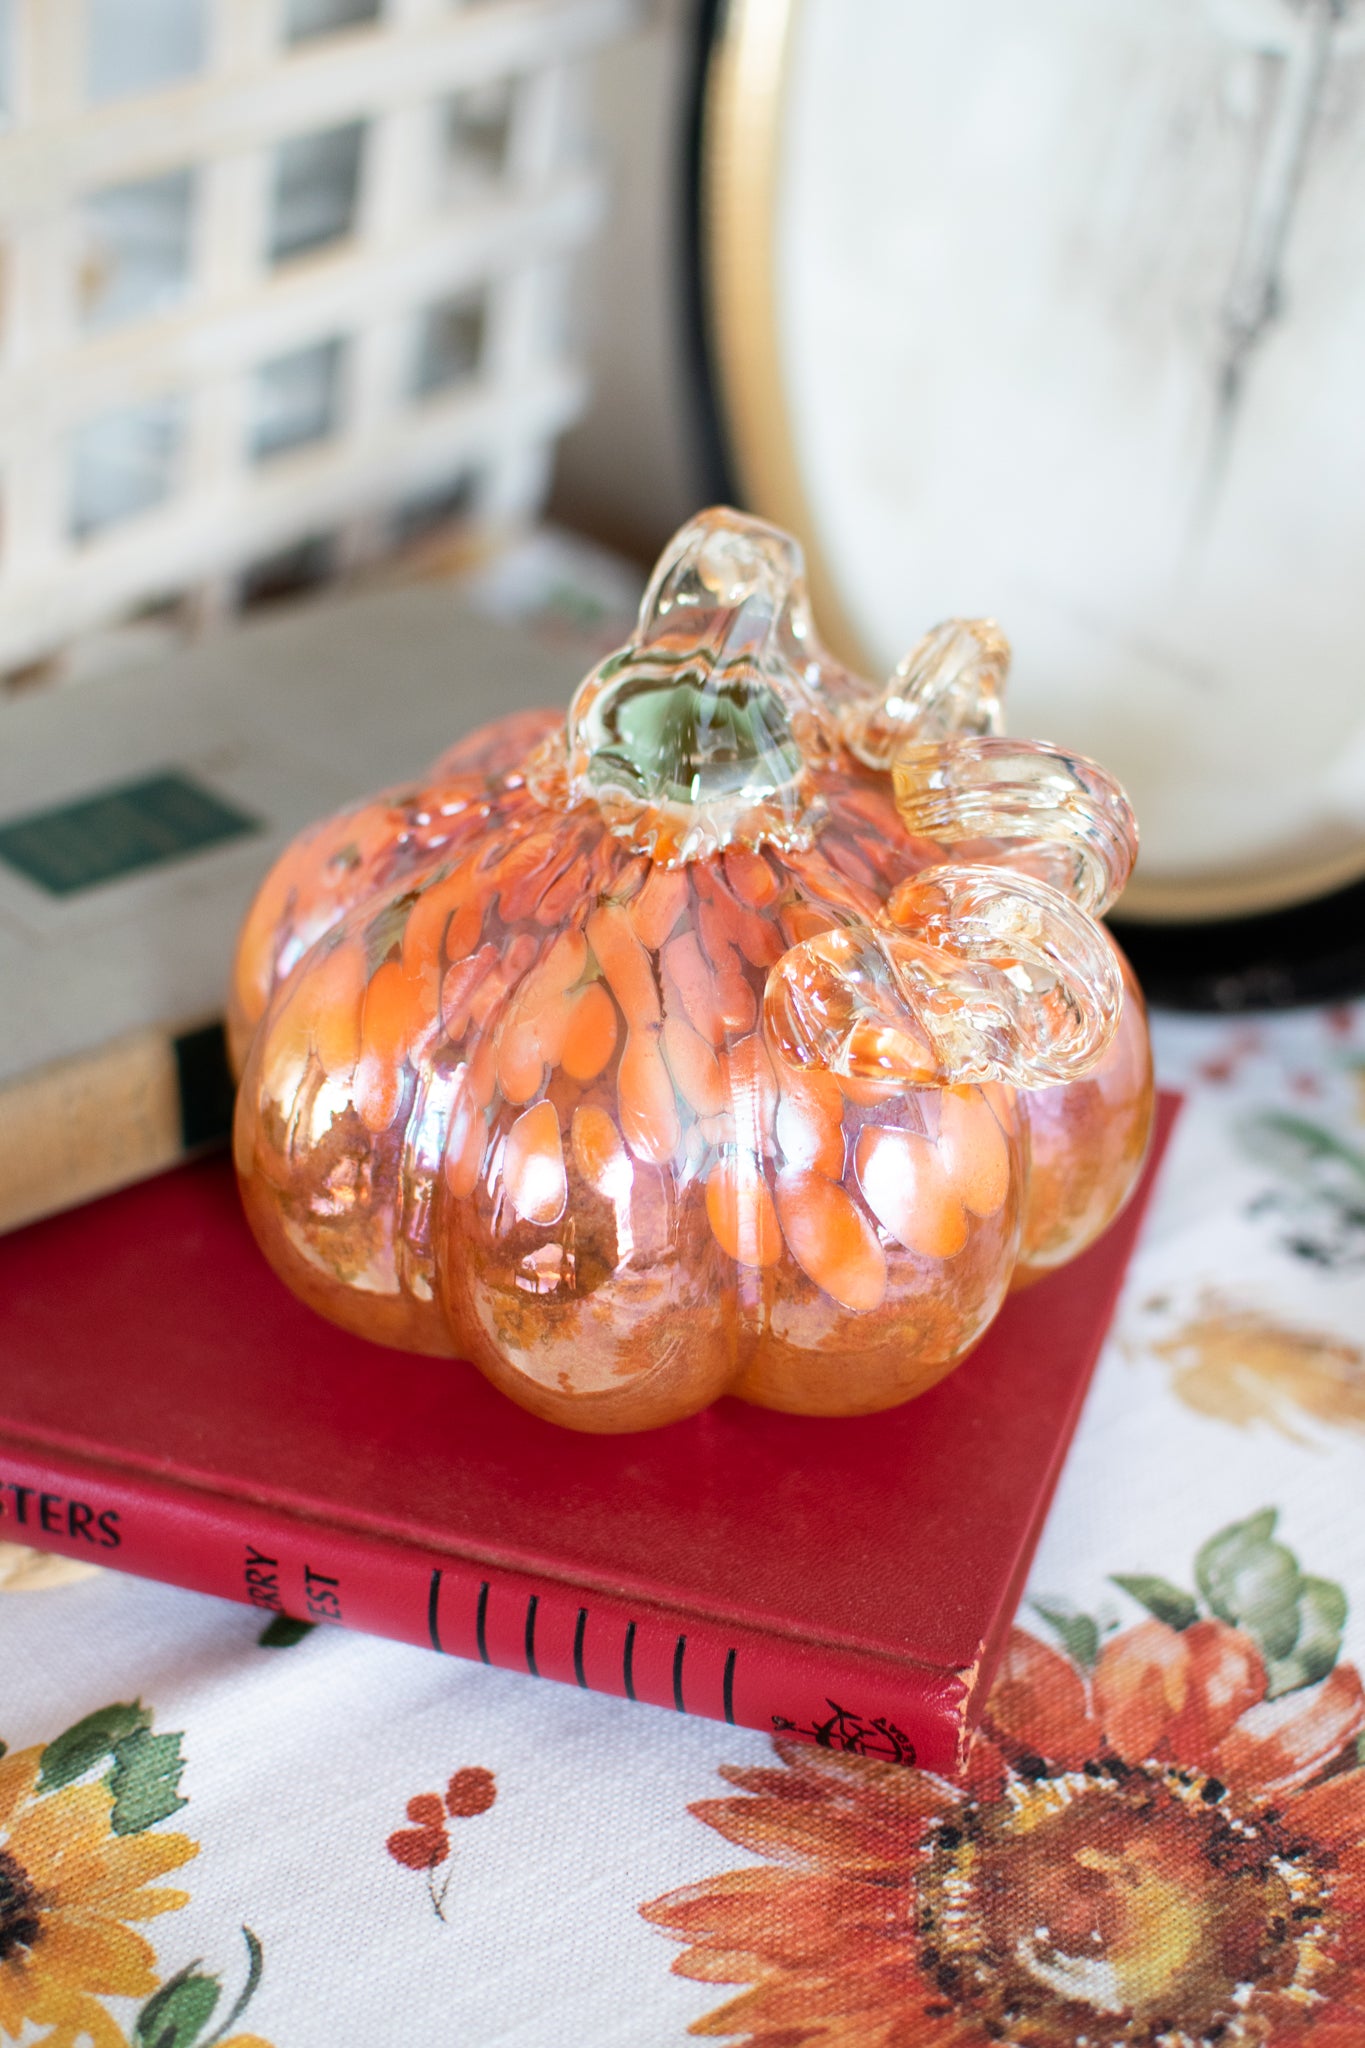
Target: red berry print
(470, 1791)
(419, 1848)
(426, 1844)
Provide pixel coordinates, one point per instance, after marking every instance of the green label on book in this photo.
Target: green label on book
(118, 832)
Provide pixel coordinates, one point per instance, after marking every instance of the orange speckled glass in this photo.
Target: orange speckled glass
(748, 1032)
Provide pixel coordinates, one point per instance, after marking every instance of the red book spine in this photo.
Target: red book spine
(285, 1563)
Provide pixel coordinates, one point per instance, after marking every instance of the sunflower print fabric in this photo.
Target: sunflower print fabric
(82, 1859)
(1149, 1851)
(220, 1828)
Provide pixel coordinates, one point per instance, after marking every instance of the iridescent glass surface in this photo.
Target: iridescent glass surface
(749, 1031)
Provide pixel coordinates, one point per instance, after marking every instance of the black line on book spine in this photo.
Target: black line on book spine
(434, 1611)
(531, 1606)
(729, 1689)
(481, 1624)
(580, 1630)
(628, 1662)
(679, 1652)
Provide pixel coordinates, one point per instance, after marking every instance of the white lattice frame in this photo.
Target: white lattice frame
(225, 123)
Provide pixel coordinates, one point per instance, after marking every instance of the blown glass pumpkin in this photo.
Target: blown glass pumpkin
(749, 1032)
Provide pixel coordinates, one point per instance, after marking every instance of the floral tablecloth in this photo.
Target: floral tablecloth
(305, 1839)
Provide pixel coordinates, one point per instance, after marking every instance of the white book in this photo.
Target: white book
(139, 813)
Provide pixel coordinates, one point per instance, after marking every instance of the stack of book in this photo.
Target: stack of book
(167, 1407)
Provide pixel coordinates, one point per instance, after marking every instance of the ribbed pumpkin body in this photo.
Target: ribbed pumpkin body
(526, 1087)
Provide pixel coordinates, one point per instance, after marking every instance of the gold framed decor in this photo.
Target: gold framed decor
(1050, 312)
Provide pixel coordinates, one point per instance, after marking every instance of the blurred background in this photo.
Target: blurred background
(290, 284)
(637, 464)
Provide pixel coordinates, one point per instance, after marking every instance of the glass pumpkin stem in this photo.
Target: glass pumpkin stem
(951, 681)
(981, 976)
(701, 733)
(1030, 806)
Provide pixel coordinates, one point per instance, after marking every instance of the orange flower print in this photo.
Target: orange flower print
(1240, 1365)
(1164, 1851)
(425, 1844)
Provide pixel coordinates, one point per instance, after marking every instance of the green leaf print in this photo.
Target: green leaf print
(283, 1631)
(255, 1965)
(1322, 1616)
(1079, 1634)
(1167, 1602)
(1292, 1145)
(71, 1755)
(145, 1781)
(1253, 1582)
(176, 2015)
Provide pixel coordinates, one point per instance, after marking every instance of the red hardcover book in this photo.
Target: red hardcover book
(168, 1407)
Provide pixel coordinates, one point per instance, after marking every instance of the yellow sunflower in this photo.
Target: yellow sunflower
(68, 1887)
(38, 1571)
